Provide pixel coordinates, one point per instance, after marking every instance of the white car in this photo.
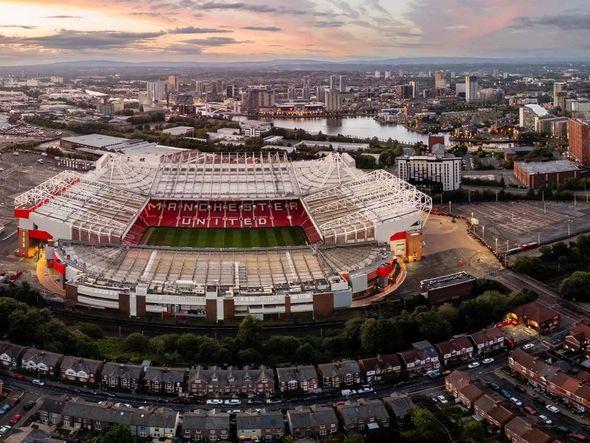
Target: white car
(553, 409)
(516, 401)
(365, 390)
(347, 392)
(473, 365)
(487, 361)
(232, 402)
(442, 399)
(4, 429)
(214, 401)
(38, 382)
(545, 419)
(528, 346)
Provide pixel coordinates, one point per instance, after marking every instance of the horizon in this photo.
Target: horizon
(326, 31)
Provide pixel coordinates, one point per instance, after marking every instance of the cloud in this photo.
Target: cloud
(262, 28)
(212, 41)
(63, 16)
(237, 6)
(569, 21)
(18, 26)
(193, 30)
(329, 24)
(69, 39)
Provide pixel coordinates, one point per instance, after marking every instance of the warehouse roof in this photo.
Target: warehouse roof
(548, 167)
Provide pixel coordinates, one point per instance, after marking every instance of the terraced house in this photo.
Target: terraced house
(218, 382)
(78, 369)
(121, 376)
(297, 377)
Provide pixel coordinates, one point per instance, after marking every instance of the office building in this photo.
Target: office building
(258, 99)
(557, 88)
(306, 87)
(333, 81)
(291, 93)
(491, 95)
(471, 88)
(530, 116)
(333, 101)
(342, 83)
(172, 83)
(431, 173)
(157, 90)
(415, 88)
(403, 92)
(579, 140)
(439, 80)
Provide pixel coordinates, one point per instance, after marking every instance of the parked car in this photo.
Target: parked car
(487, 361)
(4, 409)
(347, 392)
(530, 410)
(579, 437)
(214, 401)
(545, 419)
(365, 389)
(18, 376)
(516, 401)
(505, 393)
(553, 409)
(539, 401)
(493, 385)
(29, 405)
(473, 365)
(4, 430)
(442, 399)
(519, 388)
(528, 346)
(38, 382)
(273, 401)
(14, 420)
(232, 402)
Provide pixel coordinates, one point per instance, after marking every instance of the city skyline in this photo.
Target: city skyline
(33, 32)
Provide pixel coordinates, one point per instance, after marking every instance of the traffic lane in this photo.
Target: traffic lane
(527, 399)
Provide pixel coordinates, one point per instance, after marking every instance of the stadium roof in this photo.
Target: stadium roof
(537, 109)
(96, 140)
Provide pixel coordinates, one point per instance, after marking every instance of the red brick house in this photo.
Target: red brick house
(376, 367)
(457, 349)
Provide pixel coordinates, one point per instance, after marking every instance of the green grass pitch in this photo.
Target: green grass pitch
(225, 237)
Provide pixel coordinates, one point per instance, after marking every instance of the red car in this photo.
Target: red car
(14, 420)
(18, 376)
(579, 437)
(530, 410)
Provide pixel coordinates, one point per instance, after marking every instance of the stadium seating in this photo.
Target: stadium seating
(222, 214)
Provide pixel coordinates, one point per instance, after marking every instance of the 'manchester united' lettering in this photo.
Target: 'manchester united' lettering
(224, 214)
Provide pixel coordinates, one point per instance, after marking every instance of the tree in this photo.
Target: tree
(187, 345)
(426, 428)
(354, 438)
(136, 342)
(118, 434)
(576, 287)
(249, 332)
(472, 431)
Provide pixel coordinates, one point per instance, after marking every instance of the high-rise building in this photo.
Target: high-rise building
(291, 93)
(439, 80)
(230, 91)
(578, 133)
(415, 88)
(204, 87)
(306, 87)
(387, 74)
(157, 90)
(431, 173)
(172, 83)
(333, 81)
(258, 99)
(403, 92)
(342, 83)
(377, 74)
(557, 88)
(471, 88)
(333, 100)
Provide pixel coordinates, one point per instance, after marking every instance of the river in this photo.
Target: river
(362, 127)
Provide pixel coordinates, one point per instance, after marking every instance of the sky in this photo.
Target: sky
(41, 31)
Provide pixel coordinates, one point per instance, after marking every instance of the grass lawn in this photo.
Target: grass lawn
(225, 237)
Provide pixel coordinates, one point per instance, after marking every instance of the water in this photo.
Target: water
(362, 127)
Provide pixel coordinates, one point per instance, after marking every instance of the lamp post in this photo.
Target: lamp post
(496, 246)
(483, 233)
(569, 227)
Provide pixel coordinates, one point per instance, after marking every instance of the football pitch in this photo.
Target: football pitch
(225, 237)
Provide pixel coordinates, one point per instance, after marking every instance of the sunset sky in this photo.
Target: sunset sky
(39, 31)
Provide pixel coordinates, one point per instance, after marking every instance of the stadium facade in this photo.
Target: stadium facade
(92, 228)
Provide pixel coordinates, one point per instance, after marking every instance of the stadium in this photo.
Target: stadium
(222, 235)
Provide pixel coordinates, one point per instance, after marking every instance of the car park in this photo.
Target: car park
(442, 399)
(516, 401)
(553, 409)
(473, 365)
(545, 419)
(487, 361)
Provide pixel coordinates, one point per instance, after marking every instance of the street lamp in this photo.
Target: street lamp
(568, 227)
(483, 233)
(496, 245)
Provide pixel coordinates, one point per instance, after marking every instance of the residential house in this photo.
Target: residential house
(317, 423)
(421, 358)
(78, 369)
(375, 368)
(537, 316)
(363, 415)
(399, 405)
(120, 376)
(522, 430)
(164, 380)
(488, 340)
(460, 385)
(10, 354)
(297, 377)
(143, 423)
(206, 426)
(41, 362)
(260, 426)
(231, 382)
(578, 340)
(50, 411)
(341, 373)
(455, 350)
(531, 367)
(493, 411)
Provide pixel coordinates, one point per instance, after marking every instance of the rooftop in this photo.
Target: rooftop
(547, 167)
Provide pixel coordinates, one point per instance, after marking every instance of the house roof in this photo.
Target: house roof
(472, 392)
(454, 344)
(263, 420)
(206, 420)
(339, 368)
(399, 404)
(39, 356)
(52, 405)
(380, 362)
(10, 349)
(533, 363)
(581, 331)
(309, 418)
(165, 375)
(487, 335)
(458, 379)
(299, 373)
(217, 375)
(518, 426)
(81, 364)
(535, 311)
(362, 409)
(119, 370)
